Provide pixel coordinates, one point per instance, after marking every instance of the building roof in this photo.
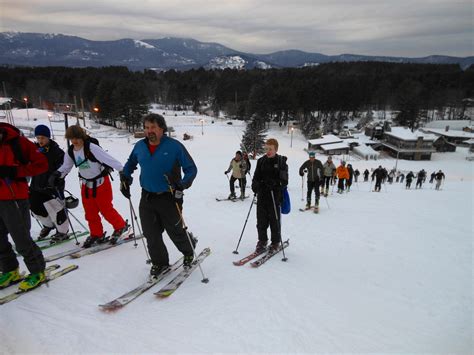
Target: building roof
(365, 150)
(451, 133)
(326, 139)
(4, 100)
(470, 141)
(334, 146)
(406, 134)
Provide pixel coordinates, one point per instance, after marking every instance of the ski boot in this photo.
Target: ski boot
(119, 233)
(157, 270)
(32, 281)
(92, 240)
(261, 246)
(308, 206)
(274, 247)
(9, 278)
(188, 261)
(232, 196)
(242, 196)
(59, 237)
(44, 232)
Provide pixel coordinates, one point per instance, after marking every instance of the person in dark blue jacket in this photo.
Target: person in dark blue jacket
(161, 160)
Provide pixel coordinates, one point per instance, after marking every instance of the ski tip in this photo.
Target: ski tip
(163, 294)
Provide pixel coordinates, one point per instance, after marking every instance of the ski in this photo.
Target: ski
(128, 297)
(100, 247)
(50, 244)
(16, 294)
(249, 257)
(48, 268)
(173, 285)
(231, 199)
(312, 208)
(269, 255)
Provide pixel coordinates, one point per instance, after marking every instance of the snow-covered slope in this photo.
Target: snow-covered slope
(373, 272)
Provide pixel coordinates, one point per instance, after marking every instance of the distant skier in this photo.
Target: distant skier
(410, 176)
(432, 177)
(239, 168)
(366, 175)
(421, 177)
(328, 170)
(351, 176)
(270, 176)
(342, 174)
(402, 177)
(439, 176)
(161, 160)
(314, 168)
(94, 166)
(19, 158)
(379, 175)
(45, 206)
(356, 175)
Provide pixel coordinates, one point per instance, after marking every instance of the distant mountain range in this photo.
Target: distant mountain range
(36, 49)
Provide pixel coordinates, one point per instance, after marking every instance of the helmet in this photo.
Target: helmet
(71, 202)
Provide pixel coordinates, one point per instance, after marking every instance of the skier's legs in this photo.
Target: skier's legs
(262, 218)
(231, 184)
(105, 205)
(91, 211)
(57, 215)
(311, 186)
(8, 260)
(243, 184)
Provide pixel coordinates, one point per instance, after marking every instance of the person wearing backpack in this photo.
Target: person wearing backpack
(19, 158)
(94, 166)
(44, 202)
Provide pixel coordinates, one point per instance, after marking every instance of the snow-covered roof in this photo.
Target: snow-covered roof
(406, 134)
(365, 150)
(453, 124)
(333, 146)
(451, 133)
(326, 139)
(470, 141)
(4, 100)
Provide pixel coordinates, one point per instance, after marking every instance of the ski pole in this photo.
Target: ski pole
(134, 217)
(327, 202)
(279, 226)
(302, 188)
(77, 220)
(185, 227)
(245, 224)
(63, 202)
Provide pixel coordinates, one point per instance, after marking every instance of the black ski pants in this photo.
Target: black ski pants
(326, 181)
(37, 200)
(340, 184)
(313, 185)
(378, 184)
(266, 217)
(15, 220)
(242, 183)
(158, 213)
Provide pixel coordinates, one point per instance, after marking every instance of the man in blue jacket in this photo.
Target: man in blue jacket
(161, 159)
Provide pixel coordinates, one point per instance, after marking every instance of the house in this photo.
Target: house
(402, 143)
(443, 145)
(336, 148)
(314, 144)
(451, 136)
(366, 152)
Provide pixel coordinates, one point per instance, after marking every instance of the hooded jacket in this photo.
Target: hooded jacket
(34, 162)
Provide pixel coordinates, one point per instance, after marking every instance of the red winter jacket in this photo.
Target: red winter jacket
(17, 189)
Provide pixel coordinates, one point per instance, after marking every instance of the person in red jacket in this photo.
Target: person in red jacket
(19, 158)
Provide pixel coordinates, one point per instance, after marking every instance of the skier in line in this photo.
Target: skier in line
(161, 159)
(94, 166)
(421, 177)
(409, 178)
(402, 177)
(43, 200)
(328, 170)
(356, 175)
(342, 174)
(351, 175)
(379, 175)
(314, 168)
(238, 166)
(432, 177)
(19, 158)
(366, 175)
(439, 177)
(269, 178)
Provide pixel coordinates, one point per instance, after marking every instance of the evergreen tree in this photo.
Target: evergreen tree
(253, 141)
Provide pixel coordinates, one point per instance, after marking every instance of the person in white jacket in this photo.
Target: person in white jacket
(96, 190)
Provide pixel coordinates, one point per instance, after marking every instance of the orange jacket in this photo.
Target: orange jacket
(342, 172)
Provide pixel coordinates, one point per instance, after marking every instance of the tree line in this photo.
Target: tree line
(318, 96)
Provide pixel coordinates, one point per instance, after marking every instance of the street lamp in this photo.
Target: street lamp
(291, 141)
(50, 125)
(26, 105)
(96, 111)
(202, 126)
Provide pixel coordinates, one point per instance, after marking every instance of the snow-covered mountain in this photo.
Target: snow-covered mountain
(37, 49)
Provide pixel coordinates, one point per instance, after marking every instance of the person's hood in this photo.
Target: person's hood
(8, 132)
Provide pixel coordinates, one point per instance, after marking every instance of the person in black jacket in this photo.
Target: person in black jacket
(314, 168)
(45, 205)
(439, 177)
(351, 176)
(269, 178)
(410, 177)
(420, 178)
(366, 175)
(379, 174)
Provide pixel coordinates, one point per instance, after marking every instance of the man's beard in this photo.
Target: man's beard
(152, 137)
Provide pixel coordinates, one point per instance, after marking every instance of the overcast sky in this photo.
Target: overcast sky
(409, 28)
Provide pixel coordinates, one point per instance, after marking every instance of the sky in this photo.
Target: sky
(373, 27)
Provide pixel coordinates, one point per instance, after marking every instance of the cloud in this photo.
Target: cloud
(389, 27)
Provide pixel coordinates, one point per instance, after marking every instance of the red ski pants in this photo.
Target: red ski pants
(102, 204)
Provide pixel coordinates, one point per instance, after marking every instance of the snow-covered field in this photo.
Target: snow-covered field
(373, 272)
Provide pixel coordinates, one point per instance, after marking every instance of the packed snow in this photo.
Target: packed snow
(372, 272)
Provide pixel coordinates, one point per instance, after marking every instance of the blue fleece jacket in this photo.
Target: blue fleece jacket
(168, 159)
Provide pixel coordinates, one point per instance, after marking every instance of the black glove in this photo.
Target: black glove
(7, 171)
(178, 193)
(125, 182)
(301, 173)
(55, 181)
(226, 172)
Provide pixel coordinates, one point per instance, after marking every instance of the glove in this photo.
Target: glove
(125, 182)
(226, 172)
(55, 181)
(301, 173)
(178, 193)
(7, 171)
